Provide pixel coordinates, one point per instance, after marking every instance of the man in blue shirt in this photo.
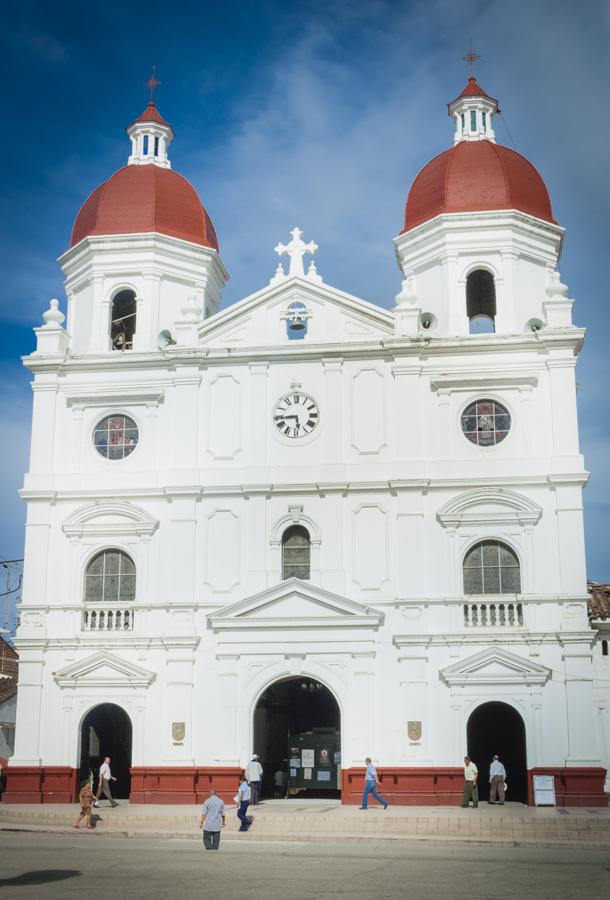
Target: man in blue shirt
(244, 796)
(212, 820)
(370, 785)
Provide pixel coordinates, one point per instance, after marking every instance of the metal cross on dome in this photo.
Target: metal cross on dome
(471, 57)
(152, 84)
(296, 250)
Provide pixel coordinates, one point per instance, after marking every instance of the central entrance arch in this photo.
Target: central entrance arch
(106, 731)
(297, 721)
(497, 728)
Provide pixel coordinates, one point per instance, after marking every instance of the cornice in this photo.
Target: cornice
(321, 488)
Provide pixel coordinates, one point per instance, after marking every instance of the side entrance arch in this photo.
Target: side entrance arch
(106, 731)
(497, 728)
(297, 729)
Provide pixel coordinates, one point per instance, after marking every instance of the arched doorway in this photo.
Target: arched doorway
(297, 728)
(496, 727)
(106, 731)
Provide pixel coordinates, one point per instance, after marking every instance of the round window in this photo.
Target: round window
(115, 437)
(485, 422)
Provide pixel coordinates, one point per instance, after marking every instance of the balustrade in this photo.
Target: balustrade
(493, 613)
(107, 619)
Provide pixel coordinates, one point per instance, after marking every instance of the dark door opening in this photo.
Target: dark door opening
(498, 728)
(106, 731)
(285, 713)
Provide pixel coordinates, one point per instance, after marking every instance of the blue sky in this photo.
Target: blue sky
(317, 114)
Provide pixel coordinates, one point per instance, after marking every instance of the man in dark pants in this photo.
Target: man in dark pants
(212, 820)
(471, 791)
(103, 785)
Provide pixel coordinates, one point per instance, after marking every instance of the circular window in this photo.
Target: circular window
(115, 437)
(485, 422)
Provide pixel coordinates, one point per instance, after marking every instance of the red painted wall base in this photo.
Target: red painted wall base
(40, 784)
(163, 784)
(573, 787)
(401, 786)
(444, 786)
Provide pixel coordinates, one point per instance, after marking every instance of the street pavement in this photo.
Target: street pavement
(41, 866)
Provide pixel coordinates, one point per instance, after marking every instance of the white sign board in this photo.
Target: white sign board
(544, 790)
(307, 758)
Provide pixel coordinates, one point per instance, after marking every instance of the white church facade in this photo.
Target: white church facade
(306, 513)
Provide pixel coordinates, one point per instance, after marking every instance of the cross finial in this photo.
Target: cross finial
(152, 84)
(471, 57)
(296, 249)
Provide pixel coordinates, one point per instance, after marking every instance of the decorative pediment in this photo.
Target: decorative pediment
(295, 604)
(495, 666)
(103, 670)
(116, 519)
(331, 316)
(489, 507)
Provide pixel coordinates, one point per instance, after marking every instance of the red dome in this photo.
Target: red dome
(139, 199)
(475, 176)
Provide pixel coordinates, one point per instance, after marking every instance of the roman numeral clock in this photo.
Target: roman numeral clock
(295, 415)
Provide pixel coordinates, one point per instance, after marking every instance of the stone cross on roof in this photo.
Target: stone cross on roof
(296, 249)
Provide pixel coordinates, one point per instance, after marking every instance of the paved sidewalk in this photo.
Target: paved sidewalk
(320, 820)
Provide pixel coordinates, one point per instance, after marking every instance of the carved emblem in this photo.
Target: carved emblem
(178, 731)
(414, 731)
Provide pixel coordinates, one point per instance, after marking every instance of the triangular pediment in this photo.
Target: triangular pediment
(495, 666)
(332, 316)
(103, 670)
(295, 604)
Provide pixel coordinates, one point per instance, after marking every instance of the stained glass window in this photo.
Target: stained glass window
(485, 422)
(491, 568)
(115, 437)
(296, 553)
(110, 578)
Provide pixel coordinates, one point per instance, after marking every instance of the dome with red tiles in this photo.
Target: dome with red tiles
(143, 198)
(476, 174)
(146, 195)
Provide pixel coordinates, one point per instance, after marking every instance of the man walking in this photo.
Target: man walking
(103, 784)
(471, 791)
(244, 795)
(497, 777)
(370, 785)
(254, 775)
(212, 820)
(86, 799)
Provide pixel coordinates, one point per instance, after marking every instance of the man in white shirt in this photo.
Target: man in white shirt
(254, 776)
(471, 791)
(103, 784)
(497, 777)
(212, 820)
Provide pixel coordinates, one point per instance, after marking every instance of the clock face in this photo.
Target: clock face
(296, 415)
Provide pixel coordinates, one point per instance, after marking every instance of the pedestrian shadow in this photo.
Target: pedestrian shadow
(40, 876)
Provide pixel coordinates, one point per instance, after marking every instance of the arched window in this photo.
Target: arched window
(481, 302)
(296, 553)
(123, 320)
(110, 578)
(491, 567)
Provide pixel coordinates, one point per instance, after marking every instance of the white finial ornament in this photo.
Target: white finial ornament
(296, 250)
(191, 311)
(53, 316)
(280, 275)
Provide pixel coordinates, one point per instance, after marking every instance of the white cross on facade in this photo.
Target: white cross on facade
(296, 249)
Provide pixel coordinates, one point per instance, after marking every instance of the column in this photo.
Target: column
(333, 418)
(583, 747)
(257, 413)
(178, 730)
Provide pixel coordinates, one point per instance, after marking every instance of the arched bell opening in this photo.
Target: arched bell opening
(106, 731)
(497, 728)
(481, 302)
(297, 731)
(123, 320)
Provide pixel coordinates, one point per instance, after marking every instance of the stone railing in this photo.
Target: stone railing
(494, 614)
(100, 618)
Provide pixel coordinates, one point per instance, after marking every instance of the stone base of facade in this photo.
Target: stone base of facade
(40, 784)
(434, 786)
(182, 784)
(573, 786)
(408, 787)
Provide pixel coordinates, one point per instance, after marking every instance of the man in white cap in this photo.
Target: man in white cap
(254, 775)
